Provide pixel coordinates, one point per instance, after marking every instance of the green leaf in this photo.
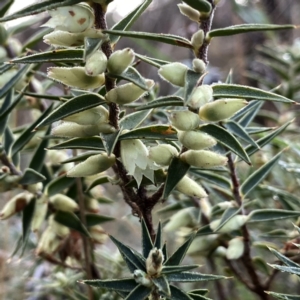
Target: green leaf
(178, 269)
(27, 216)
(5, 105)
(257, 176)
(39, 155)
(8, 109)
(283, 296)
(201, 292)
(60, 55)
(88, 143)
(27, 134)
(35, 38)
(162, 102)
(252, 106)
(126, 284)
(198, 297)
(5, 67)
(154, 132)
(6, 7)
(291, 270)
(192, 277)
(140, 292)
(191, 80)
(13, 81)
(152, 61)
(284, 259)
(158, 238)
(91, 45)
(110, 141)
(244, 28)
(58, 184)
(97, 181)
(70, 220)
(38, 8)
(129, 256)
(147, 244)
(239, 131)
(31, 176)
(162, 284)
(132, 75)
(176, 172)
(134, 119)
(266, 139)
(246, 92)
(205, 230)
(95, 219)
(71, 107)
(266, 215)
(8, 140)
(158, 37)
(201, 5)
(178, 294)
(176, 258)
(227, 139)
(251, 114)
(126, 23)
(80, 157)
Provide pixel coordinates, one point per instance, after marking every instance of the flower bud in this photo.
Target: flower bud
(220, 252)
(197, 39)
(199, 65)
(203, 159)
(120, 60)
(127, 93)
(35, 188)
(63, 203)
(49, 242)
(59, 229)
(235, 223)
(221, 109)
(189, 12)
(92, 205)
(75, 18)
(93, 165)
(154, 262)
(40, 211)
(91, 116)
(3, 55)
(235, 248)
(186, 217)
(98, 234)
(96, 63)
(15, 205)
(200, 96)
(173, 73)
(184, 120)
(203, 244)
(190, 188)
(76, 77)
(162, 154)
(195, 140)
(60, 38)
(142, 278)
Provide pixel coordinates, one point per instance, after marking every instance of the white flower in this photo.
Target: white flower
(134, 155)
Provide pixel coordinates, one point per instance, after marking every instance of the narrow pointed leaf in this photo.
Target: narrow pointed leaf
(250, 115)
(205, 230)
(162, 284)
(62, 55)
(95, 219)
(158, 37)
(8, 140)
(158, 237)
(132, 75)
(38, 8)
(246, 92)
(267, 215)
(97, 181)
(240, 132)
(256, 177)
(176, 172)
(71, 107)
(58, 184)
(35, 38)
(140, 292)
(133, 120)
(192, 277)
(5, 7)
(178, 294)
(80, 157)
(284, 259)
(147, 244)
(162, 102)
(191, 80)
(5, 105)
(27, 134)
(201, 5)
(152, 61)
(91, 45)
(244, 28)
(226, 139)
(201, 292)
(126, 285)
(70, 220)
(212, 176)
(283, 296)
(129, 255)
(27, 215)
(12, 105)
(291, 270)
(126, 23)
(198, 297)
(178, 269)
(89, 143)
(228, 214)
(5, 67)
(110, 141)
(155, 132)
(164, 251)
(176, 258)
(252, 106)
(31, 176)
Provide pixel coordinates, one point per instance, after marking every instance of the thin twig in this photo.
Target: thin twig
(6, 162)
